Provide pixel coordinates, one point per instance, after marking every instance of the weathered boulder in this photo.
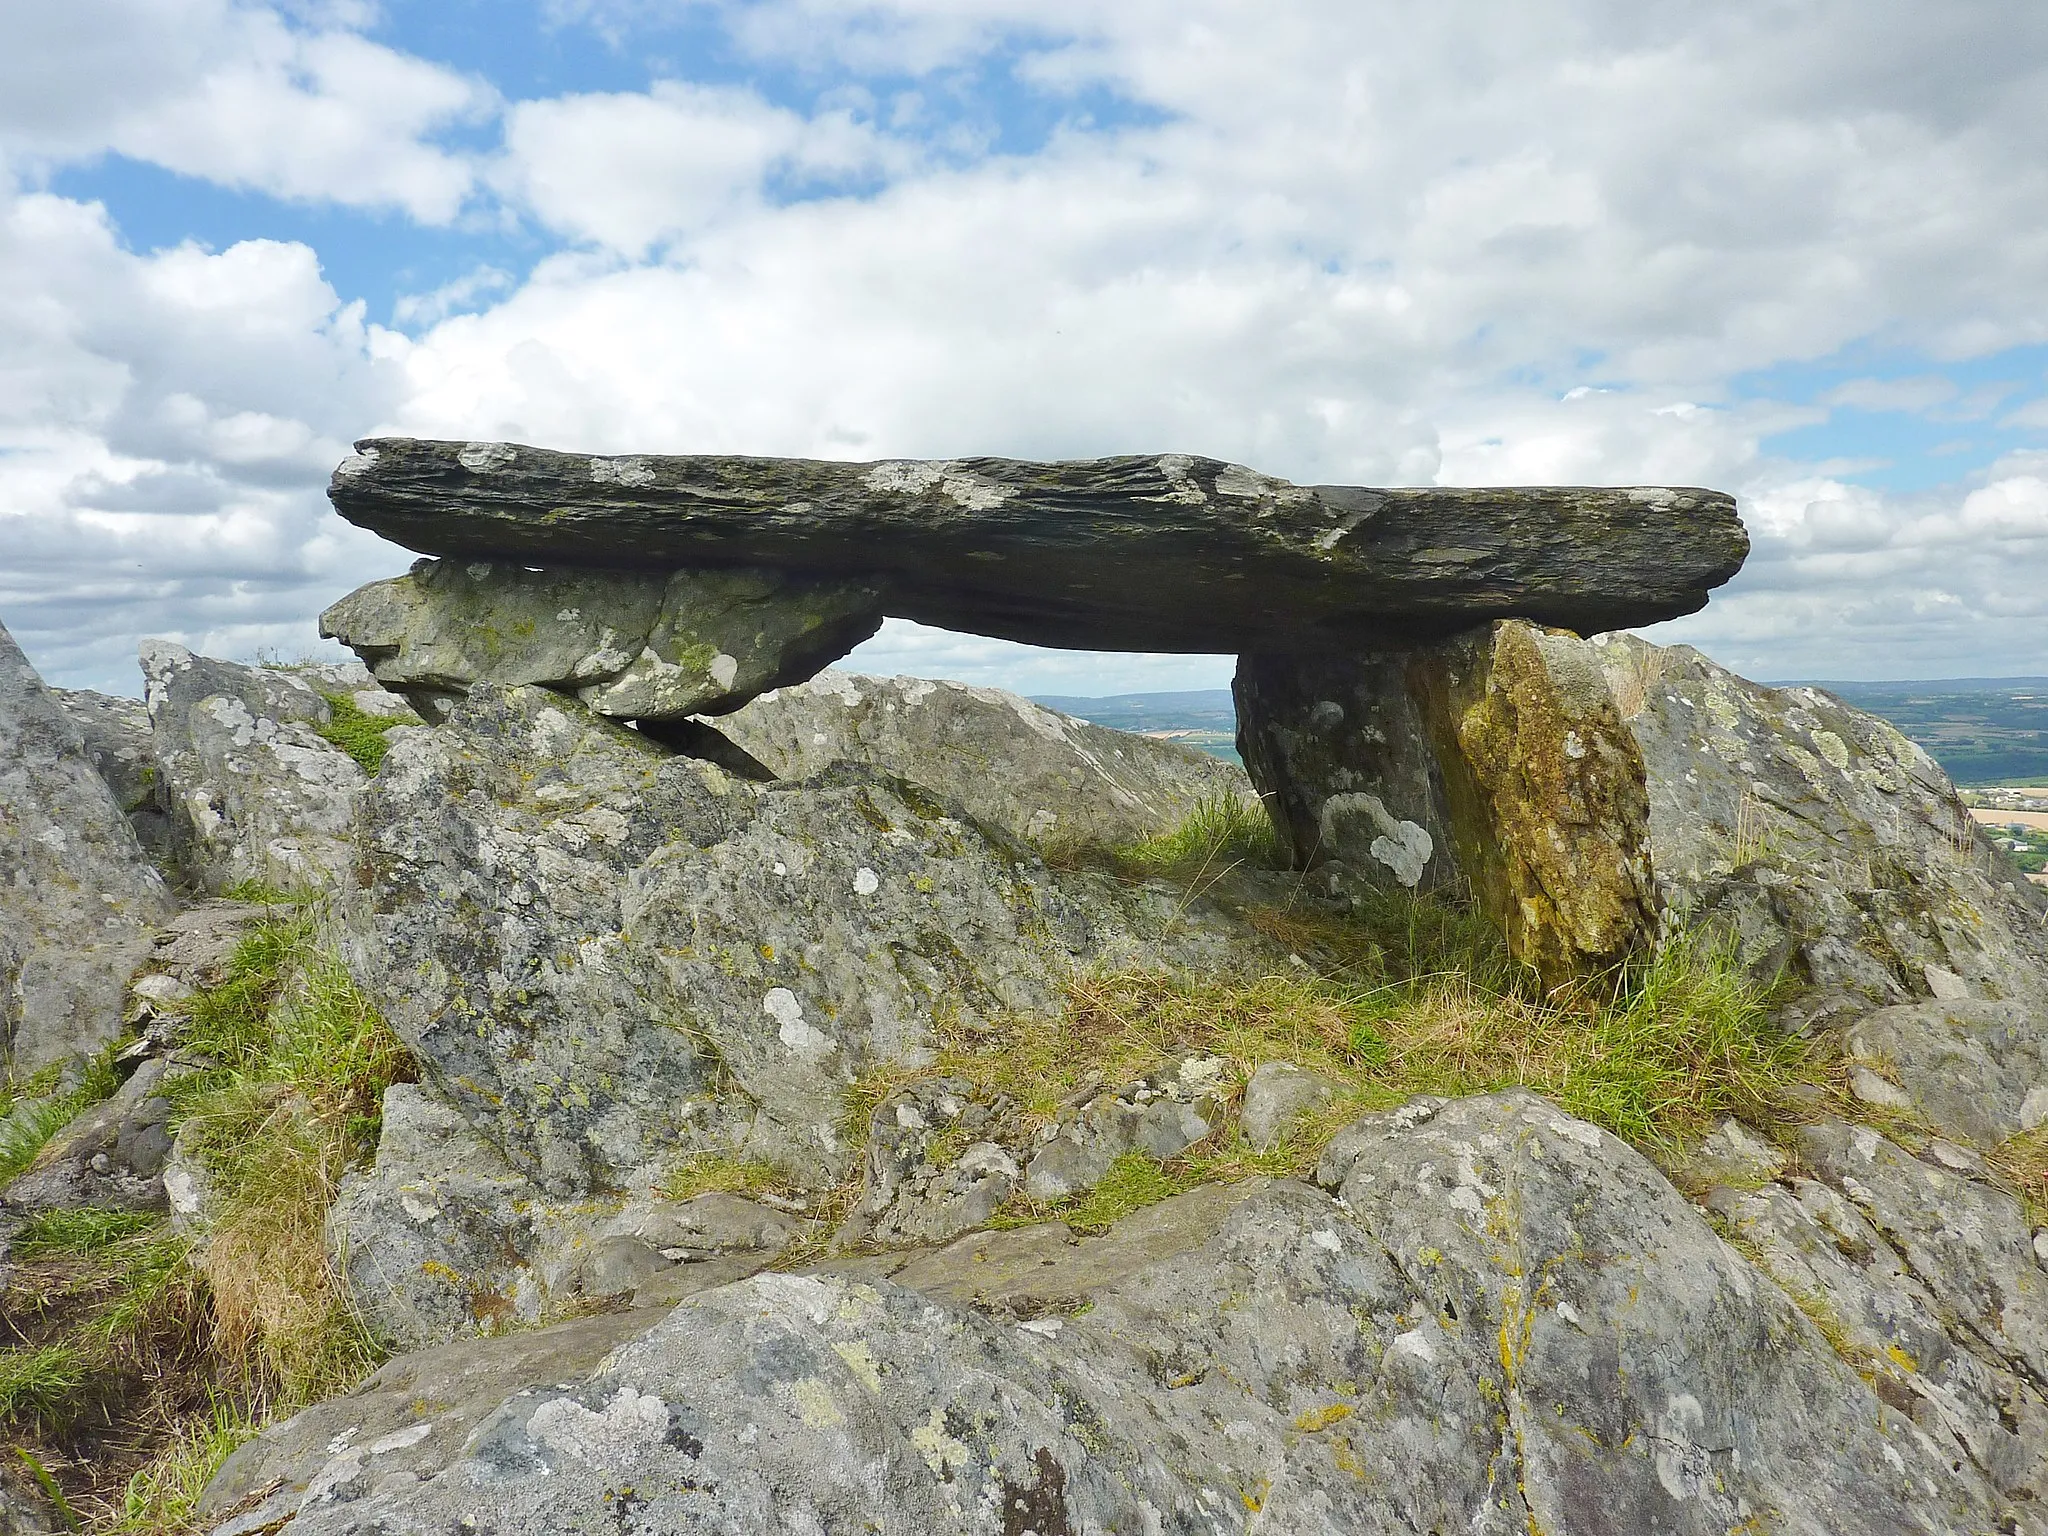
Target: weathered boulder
(632, 644)
(1493, 762)
(1276, 1096)
(1978, 1071)
(1929, 1283)
(1014, 764)
(118, 741)
(603, 955)
(78, 898)
(255, 793)
(1510, 1322)
(111, 1155)
(1834, 848)
(931, 1172)
(1167, 553)
(441, 1237)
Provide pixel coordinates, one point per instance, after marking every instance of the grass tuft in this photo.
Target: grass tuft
(360, 735)
(1222, 832)
(83, 1231)
(2022, 1161)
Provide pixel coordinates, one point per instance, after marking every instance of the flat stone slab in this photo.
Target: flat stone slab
(1154, 553)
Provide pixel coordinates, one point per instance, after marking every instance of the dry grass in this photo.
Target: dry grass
(2022, 1161)
(133, 1365)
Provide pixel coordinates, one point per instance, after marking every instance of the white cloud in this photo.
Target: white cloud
(629, 170)
(1387, 242)
(166, 423)
(233, 93)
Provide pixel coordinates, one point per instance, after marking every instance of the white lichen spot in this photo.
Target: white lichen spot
(724, 669)
(905, 477)
(633, 1425)
(1573, 747)
(361, 462)
(1327, 1239)
(1832, 748)
(794, 1031)
(482, 458)
(1044, 1327)
(1415, 1343)
(399, 1439)
(1405, 847)
(568, 615)
(629, 472)
(419, 1210)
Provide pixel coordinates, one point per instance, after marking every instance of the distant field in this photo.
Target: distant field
(1982, 730)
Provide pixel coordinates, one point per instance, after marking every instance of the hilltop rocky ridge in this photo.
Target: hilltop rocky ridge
(1563, 1086)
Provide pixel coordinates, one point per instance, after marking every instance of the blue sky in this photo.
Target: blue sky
(1799, 255)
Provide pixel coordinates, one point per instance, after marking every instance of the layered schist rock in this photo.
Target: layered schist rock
(1162, 553)
(1481, 1316)
(1494, 763)
(631, 645)
(78, 898)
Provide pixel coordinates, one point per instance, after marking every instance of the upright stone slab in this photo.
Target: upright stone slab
(1337, 747)
(1546, 792)
(78, 898)
(646, 644)
(1493, 763)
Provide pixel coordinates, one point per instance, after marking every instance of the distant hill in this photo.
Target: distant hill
(1200, 717)
(1982, 730)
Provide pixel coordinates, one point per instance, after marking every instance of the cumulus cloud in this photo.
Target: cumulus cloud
(1395, 243)
(237, 94)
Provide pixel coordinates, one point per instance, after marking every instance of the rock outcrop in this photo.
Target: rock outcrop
(1834, 847)
(607, 959)
(255, 793)
(632, 646)
(118, 740)
(78, 897)
(1484, 1316)
(1032, 771)
(1166, 553)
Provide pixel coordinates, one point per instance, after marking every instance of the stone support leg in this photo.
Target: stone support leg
(1492, 763)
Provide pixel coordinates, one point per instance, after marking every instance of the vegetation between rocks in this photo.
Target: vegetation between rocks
(136, 1358)
(360, 735)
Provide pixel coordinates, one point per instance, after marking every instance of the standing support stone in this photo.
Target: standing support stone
(1494, 761)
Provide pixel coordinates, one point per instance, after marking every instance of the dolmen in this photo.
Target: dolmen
(1415, 702)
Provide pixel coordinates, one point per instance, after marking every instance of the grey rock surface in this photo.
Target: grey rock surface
(117, 739)
(1159, 1116)
(1013, 764)
(1913, 1268)
(1511, 1322)
(1976, 1070)
(406, 1421)
(632, 644)
(1160, 553)
(442, 1238)
(1277, 1094)
(111, 1155)
(1831, 845)
(255, 793)
(603, 955)
(78, 897)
